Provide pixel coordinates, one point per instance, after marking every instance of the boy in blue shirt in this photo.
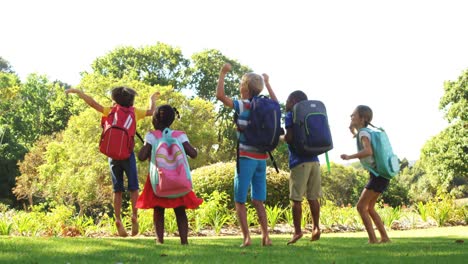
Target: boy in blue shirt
(304, 177)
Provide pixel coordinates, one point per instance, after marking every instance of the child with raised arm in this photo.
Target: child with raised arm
(361, 118)
(252, 162)
(125, 97)
(162, 119)
(304, 177)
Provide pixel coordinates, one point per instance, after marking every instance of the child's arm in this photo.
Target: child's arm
(266, 78)
(220, 95)
(153, 99)
(90, 101)
(190, 150)
(365, 152)
(288, 137)
(144, 152)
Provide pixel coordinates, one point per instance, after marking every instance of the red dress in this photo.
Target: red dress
(148, 199)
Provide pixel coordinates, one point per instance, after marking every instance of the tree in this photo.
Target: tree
(205, 73)
(27, 111)
(160, 64)
(444, 156)
(28, 183)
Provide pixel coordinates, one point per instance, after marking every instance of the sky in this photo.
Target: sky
(393, 56)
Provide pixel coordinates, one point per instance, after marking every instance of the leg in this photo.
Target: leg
(118, 212)
(363, 209)
(158, 219)
(132, 175)
(314, 192)
(242, 181)
(297, 218)
(262, 219)
(117, 170)
(242, 216)
(258, 183)
(182, 224)
(377, 220)
(315, 211)
(135, 226)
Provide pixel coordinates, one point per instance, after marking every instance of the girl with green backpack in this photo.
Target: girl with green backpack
(361, 118)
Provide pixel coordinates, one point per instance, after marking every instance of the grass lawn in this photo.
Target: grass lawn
(435, 245)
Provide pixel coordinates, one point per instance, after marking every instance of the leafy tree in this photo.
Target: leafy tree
(343, 184)
(454, 102)
(444, 156)
(28, 111)
(160, 64)
(28, 184)
(205, 72)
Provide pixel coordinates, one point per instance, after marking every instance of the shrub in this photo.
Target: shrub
(220, 177)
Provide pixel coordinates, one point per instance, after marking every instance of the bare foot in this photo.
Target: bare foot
(135, 226)
(159, 241)
(246, 242)
(120, 229)
(266, 242)
(373, 242)
(385, 240)
(295, 238)
(315, 235)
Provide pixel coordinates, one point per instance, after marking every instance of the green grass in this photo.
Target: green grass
(436, 245)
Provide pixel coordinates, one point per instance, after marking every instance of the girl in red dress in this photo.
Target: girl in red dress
(163, 118)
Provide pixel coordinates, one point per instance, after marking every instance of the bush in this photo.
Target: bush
(220, 177)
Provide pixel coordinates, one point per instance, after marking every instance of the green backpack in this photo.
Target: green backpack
(387, 163)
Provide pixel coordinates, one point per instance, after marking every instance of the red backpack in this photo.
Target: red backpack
(119, 127)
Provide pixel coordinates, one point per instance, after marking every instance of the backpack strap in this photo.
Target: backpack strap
(273, 161)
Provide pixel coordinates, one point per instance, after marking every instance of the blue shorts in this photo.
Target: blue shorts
(118, 167)
(252, 173)
(377, 184)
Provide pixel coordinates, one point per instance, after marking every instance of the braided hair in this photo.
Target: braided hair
(164, 116)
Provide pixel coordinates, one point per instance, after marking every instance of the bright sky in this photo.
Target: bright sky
(391, 55)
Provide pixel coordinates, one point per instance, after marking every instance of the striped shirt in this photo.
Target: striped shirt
(242, 108)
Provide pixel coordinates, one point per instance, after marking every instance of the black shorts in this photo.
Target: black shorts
(377, 184)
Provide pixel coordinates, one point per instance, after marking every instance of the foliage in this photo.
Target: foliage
(274, 215)
(215, 210)
(220, 177)
(205, 73)
(160, 64)
(389, 214)
(444, 159)
(28, 184)
(343, 184)
(454, 102)
(28, 111)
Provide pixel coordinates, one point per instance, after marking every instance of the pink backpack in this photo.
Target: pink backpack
(169, 169)
(117, 138)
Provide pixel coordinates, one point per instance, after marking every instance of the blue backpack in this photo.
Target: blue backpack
(312, 135)
(387, 163)
(264, 125)
(263, 129)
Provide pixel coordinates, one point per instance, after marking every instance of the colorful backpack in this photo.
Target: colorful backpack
(169, 169)
(387, 163)
(312, 134)
(117, 138)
